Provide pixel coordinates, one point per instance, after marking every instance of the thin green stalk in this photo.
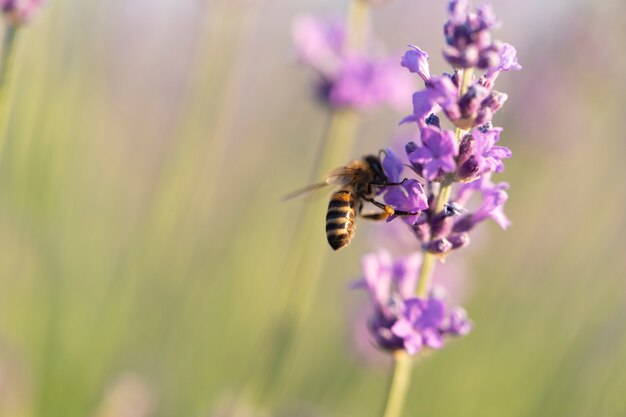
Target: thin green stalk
(428, 265)
(358, 25)
(400, 381)
(6, 65)
(307, 254)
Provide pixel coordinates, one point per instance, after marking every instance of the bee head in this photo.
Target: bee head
(376, 166)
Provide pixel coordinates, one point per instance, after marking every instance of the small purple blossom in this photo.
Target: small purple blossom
(392, 166)
(493, 198)
(420, 324)
(488, 155)
(458, 323)
(408, 197)
(347, 79)
(437, 153)
(20, 11)
(416, 61)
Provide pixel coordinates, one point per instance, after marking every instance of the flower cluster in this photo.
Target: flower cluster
(401, 320)
(20, 11)
(452, 165)
(345, 78)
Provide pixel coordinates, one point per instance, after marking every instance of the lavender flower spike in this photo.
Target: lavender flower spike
(400, 320)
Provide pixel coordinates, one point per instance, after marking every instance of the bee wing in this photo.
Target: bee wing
(339, 177)
(305, 191)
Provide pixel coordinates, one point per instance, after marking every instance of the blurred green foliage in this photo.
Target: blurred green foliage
(144, 241)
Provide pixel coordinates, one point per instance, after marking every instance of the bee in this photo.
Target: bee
(357, 182)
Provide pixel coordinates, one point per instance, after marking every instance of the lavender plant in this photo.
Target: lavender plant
(454, 166)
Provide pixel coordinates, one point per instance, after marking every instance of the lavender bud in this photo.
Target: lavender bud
(453, 209)
(410, 147)
(484, 115)
(459, 240)
(422, 231)
(440, 225)
(470, 102)
(468, 170)
(464, 224)
(433, 120)
(494, 101)
(466, 149)
(439, 246)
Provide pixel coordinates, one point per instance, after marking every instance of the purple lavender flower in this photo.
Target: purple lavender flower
(488, 155)
(347, 79)
(416, 61)
(468, 39)
(408, 197)
(392, 166)
(420, 324)
(400, 320)
(458, 323)
(493, 198)
(508, 62)
(437, 153)
(319, 43)
(20, 11)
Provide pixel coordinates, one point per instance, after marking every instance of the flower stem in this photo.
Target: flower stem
(307, 255)
(358, 25)
(428, 265)
(6, 64)
(399, 385)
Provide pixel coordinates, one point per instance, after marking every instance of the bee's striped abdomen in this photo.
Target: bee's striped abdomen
(340, 218)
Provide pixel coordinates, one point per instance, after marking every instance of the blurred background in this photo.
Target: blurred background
(144, 244)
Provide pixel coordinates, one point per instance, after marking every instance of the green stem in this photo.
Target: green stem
(6, 65)
(428, 265)
(399, 385)
(358, 25)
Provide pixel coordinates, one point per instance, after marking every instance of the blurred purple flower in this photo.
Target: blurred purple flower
(458, 323)
(20, 11)
(319, 43)
(420, 324)
(348, 79)
(437, 153)
(400, 320)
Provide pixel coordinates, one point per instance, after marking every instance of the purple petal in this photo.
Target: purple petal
(420, 155)
(405, 274)
(377, 275)
(416, 61)
(392, 165)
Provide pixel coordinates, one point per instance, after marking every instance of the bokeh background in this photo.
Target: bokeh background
(145, 253)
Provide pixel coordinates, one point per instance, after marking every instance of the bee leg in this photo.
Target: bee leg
(385, 183)
(381, 215)
(390, 211)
